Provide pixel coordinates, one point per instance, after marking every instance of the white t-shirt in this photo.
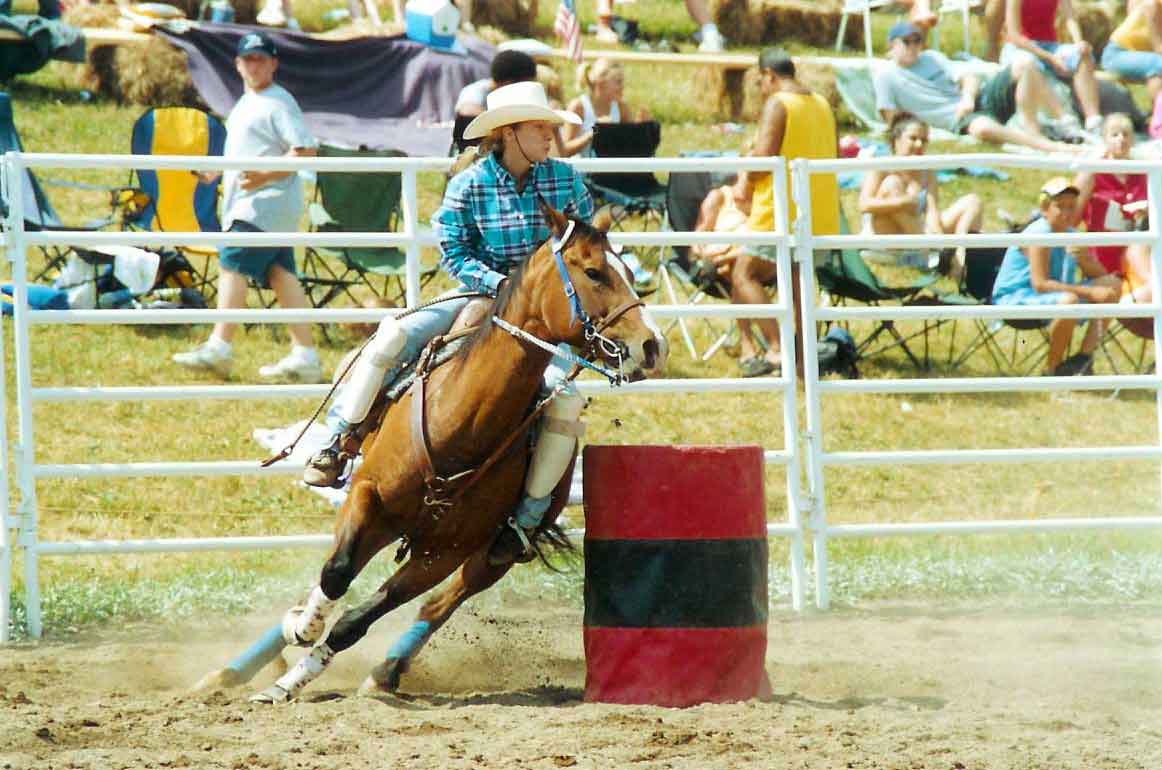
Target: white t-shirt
(929, 89)
(474, 94)
(265, 124)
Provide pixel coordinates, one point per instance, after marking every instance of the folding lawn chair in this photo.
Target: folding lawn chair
(348, 202)
(176, 200)
(39, 213)
(630, 195)
(845, 277)
(685, 192)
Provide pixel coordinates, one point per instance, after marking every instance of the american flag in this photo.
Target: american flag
(568, 28)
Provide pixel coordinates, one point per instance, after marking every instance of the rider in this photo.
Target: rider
(489, 223)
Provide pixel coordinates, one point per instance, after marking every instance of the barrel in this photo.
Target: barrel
(675, 574)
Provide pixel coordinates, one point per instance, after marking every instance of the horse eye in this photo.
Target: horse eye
(593, 274)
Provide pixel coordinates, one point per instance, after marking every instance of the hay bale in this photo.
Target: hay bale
(738, 90)
(516, 17)
(811, 22)
(153, 74)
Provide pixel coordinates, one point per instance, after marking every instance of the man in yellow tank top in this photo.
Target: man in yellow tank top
(795, 123)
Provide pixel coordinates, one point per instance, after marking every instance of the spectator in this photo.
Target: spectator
(1045, 275)
(711, 38)
(795, 123)
(926, 84)
(1031, 36)
(602, 86)
(908, 203)
(725, 209)
(1134, 52)
(1116, 203)
(266, 122)
(507, 67)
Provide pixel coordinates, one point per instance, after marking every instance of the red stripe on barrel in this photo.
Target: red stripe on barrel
(673, 492)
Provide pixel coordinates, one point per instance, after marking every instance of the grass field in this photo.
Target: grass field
(53, 116)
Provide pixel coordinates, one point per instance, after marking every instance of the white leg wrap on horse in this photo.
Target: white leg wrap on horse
(310, 623)
(560, 429)
(307, 670)
(360, 390)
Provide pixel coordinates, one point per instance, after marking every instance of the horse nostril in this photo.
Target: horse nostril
(650, 350)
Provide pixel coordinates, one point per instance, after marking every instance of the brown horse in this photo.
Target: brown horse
(478, 399)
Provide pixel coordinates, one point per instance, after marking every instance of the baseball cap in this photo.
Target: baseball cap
(1058, 185)
(903, 29)
(256, 42)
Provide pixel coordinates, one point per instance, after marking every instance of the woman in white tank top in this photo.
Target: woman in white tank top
(602, 83)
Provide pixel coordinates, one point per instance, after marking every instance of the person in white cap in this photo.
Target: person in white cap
(1047, 275)
(488, 224)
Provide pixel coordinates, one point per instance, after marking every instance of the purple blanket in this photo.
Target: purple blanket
(377, 92)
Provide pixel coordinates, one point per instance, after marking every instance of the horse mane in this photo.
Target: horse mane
(515, 278)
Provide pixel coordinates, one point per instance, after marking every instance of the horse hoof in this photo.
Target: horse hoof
(222, 679)
(272, 694)
(384, 678)
(290, 633)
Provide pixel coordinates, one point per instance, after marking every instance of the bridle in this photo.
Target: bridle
(596, 343)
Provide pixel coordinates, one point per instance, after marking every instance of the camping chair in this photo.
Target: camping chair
(845, 277)
(630, 195)
(350, 202)
(176, 200)
(685, 192)
(39, 213)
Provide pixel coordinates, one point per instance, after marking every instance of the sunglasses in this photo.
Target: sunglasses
(913, 40)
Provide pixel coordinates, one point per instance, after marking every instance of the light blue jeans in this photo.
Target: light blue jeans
(1131, 65)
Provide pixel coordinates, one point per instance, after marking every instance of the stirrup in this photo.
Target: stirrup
(526, 546)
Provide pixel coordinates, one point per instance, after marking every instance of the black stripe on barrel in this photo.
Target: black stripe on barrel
(675, 574)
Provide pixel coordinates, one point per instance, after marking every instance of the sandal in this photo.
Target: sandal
(755, 367)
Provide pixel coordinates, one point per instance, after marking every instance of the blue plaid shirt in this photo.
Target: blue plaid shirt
(486, 227)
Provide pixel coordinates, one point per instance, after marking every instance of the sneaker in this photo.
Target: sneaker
(1066, 129)
(272, 15)
(207, 356)
(300, 364)
(711, 42)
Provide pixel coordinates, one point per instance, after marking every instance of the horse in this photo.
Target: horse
(573, 289)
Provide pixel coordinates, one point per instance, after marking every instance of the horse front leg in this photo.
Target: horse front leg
(361, 533)
(411, 580)
(474, 576)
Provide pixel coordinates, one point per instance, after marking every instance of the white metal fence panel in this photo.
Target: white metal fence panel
(412, 238)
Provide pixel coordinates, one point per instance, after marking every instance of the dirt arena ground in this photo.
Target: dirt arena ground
(887, 686)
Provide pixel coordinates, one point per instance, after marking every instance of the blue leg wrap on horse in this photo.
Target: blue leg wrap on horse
(259, 654)
(411, 641)
(531, 510)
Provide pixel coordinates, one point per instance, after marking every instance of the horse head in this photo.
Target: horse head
(595, 307)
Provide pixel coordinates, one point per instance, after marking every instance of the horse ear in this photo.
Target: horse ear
(603, 219)
(556, 221)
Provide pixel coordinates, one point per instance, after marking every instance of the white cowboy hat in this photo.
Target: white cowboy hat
(516, 103)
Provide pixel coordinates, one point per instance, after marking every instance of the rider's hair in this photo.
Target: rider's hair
(493, 143)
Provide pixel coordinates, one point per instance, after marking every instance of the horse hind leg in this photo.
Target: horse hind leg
(474, 576)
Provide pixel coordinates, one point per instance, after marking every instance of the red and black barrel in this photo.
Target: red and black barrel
(675, 574)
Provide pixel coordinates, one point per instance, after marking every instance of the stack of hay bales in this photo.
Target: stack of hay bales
(810, 22)
(516, 17)
(154, 73)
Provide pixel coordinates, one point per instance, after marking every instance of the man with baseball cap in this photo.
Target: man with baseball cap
(928, 85)
(1047, 275)
(266, 122)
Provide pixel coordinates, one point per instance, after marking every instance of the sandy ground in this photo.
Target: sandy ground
(882, 687)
